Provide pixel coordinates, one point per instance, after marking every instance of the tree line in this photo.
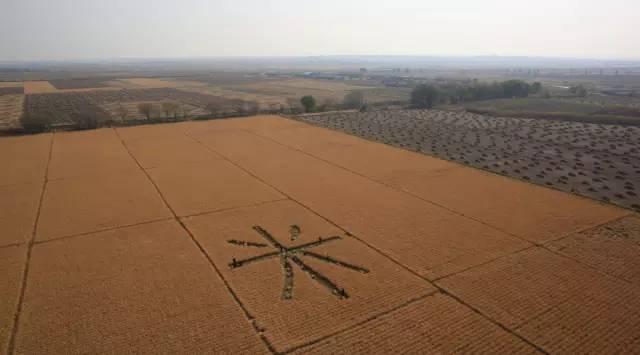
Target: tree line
(428, 95)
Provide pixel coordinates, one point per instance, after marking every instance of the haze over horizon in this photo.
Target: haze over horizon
(92, 29)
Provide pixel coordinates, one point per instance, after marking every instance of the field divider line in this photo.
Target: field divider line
(532, 243)
(202, 250)
(16, 318)
(394, 188)
(364, 321)
(13, 245)
(587, 228)
(84, 234)
(257, 204)
(382, 253)
(397, 262)
(460, 164)
(529, 247)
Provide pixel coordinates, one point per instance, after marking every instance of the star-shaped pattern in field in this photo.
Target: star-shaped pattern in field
(290, 256)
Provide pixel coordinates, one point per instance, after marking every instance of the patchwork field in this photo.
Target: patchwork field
(593, 160)
(38, 87)
(296, 88)
(84, 102)
(11, 107)
(270, 235)
(71, 108)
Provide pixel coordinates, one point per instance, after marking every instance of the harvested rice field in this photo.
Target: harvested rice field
(269, 235)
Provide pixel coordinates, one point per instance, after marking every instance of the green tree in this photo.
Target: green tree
(353, 100)
(424, 96)
(536, 88)
(515, 88)
(309, 103)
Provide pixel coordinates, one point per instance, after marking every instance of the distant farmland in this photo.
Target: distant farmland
(71, 101)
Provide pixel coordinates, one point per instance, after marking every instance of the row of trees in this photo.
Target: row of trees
(426, 95)
(308, 103)
(354, 100)
(175, 110)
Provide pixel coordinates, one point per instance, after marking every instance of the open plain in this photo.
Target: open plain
(271, 235)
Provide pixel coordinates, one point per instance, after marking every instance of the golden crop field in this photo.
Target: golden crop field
(267, 235)
(38, 87)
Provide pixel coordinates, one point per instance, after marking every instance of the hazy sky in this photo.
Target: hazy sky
(88, 29)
